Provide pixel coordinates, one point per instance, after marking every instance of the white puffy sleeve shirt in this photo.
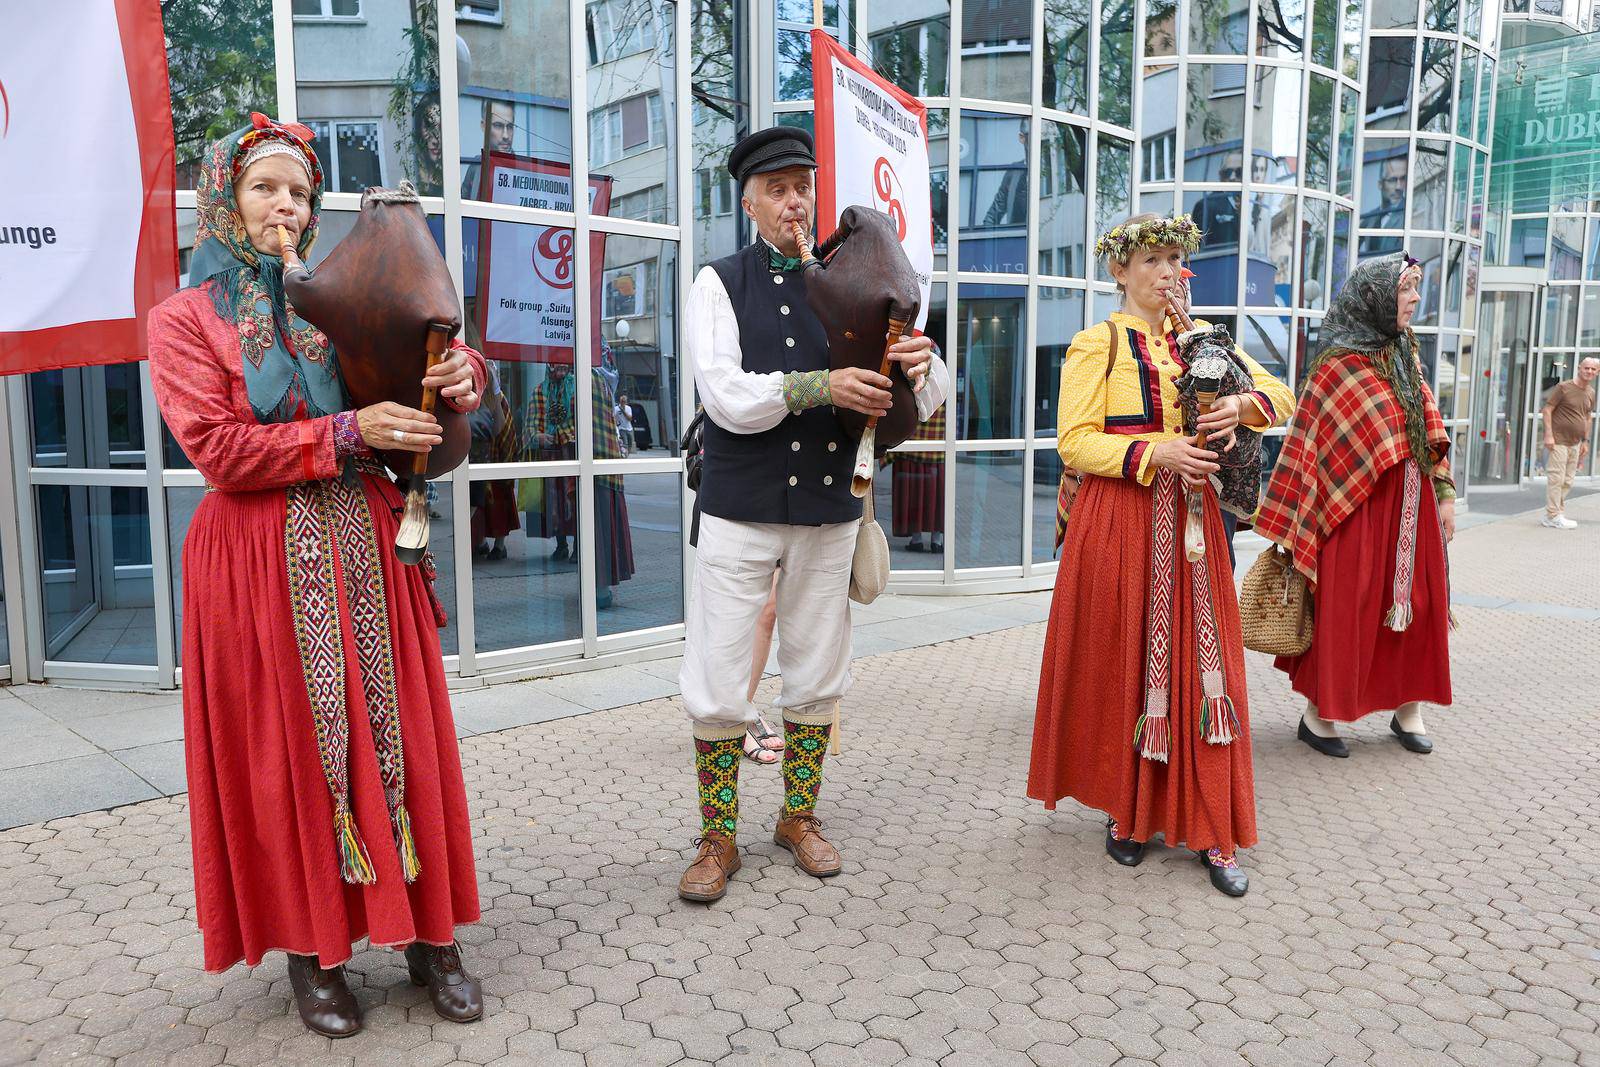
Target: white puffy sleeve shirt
(741, 401)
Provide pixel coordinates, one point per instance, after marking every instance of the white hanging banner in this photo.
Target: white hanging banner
(88, 226)
(872, 151)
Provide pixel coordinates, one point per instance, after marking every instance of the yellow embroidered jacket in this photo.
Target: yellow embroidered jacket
(1106, 424)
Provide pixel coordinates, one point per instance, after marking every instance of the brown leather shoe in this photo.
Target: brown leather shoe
(707, 877)
(456, 995)
(801, 833)
(326, 1004)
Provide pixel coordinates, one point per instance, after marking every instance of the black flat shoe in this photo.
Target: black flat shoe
(1421, 744)
(1328, 746)
(1230, 880)
(1127, 853)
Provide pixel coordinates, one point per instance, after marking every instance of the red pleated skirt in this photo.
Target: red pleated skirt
(1356, 665)
(266, 869)
(1091, 685)
(494, 515)
(918, 495)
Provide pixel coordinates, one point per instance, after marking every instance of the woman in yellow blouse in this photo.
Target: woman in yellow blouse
(1142, 710)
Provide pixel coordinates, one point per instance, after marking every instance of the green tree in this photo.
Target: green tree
(221, 66)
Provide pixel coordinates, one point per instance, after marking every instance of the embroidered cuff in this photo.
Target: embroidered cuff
(1136, 462)
(1443, 489)
(1263, 405)
(803, 390)
(347, 436)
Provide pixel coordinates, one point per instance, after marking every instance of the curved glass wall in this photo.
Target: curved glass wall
(571, 158)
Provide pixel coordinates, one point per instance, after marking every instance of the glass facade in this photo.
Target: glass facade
(1303, 135)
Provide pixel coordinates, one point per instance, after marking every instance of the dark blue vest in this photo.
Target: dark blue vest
(798, 472)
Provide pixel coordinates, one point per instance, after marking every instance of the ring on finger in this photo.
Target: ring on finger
(400, 436)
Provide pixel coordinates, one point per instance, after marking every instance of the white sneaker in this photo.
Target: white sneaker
(1565, 523)
(1552, 522)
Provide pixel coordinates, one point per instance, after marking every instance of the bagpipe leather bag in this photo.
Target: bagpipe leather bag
(861, 280)
(375, 296)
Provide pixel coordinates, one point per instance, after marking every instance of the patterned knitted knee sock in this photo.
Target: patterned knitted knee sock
(716, 763)
(804, 746)
(1221, 857)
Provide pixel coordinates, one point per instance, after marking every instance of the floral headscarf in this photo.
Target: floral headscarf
(1364, 318)
(288, 363)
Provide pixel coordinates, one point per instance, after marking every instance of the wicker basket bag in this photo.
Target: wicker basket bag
(1275, 606)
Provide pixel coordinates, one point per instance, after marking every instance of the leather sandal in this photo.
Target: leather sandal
(801, 834)
(707, 877)
(761, 754)
(325, 1002)
(456, 995)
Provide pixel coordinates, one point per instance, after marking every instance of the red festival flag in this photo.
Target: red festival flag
(872, 151)
(88, 227)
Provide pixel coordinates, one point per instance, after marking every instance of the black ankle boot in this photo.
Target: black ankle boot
(325, 1003)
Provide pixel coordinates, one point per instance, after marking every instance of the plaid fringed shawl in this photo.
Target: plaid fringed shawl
(1348, 428)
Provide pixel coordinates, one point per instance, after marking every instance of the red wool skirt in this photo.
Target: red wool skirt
(1356, 665)
(1091, 685)
(918, 495)
(266, 869)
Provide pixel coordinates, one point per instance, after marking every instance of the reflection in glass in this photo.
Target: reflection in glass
(1063, 205)
(1460, 187)
(1217, 27)
(1216, 263)
(1266, 338)
(1113, 175)
(1428, 356)
(1105, 304)
(1438, 75)
(997, 50)
(1566, 248)
(181, 504)
(1314, 254)
(1469, 309)
(989, 389)
(1427, 207)
(1280, 27)
(988, 509)
(1454, 277)
(912, 48)
(1325, 33)
(1485, 97)
(1157, 200)
(1429, 251)
(639, 555)
(1214, 127)
(1394, 14)
(994, 192)
(909, 501)
(1475, 210)
(220, 65)
(1159, 122)
(1445, 389)
(1591, 255)
(1351, 36)
(1279, 120)
(1116, 64)
(1389, 83)
(1270, 250)
(530, 597)
(87, 416)
(1047, 468)
(1383, 186)
(370, 91)
(1341, 252)
(633, 107)
(1442, 15)
(1319, 134)
(1160, 28)
(1349, 106)
(1466, 91)
(793, 45)
(1066, 54)
(1060, 318)
(719, 110)
(95, 573)
(1527, 246)
(1589, 319)
(1305, 347)
(636, 355)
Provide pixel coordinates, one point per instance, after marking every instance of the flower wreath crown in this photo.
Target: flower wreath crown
(1118, 243)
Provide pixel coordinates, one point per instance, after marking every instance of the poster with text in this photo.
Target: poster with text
(526, 272)
(88, 226)
(872, 151)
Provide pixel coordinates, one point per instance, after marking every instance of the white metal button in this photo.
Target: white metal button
(833, 446)
(789, 341)
(794, 446)
(777, 279)
(827, 479)
(784, 309)
(793, 480)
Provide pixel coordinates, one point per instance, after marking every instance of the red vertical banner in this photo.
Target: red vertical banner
(88, 237)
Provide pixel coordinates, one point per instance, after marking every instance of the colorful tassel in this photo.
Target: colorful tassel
(410, 864)
(1219, 720)
(1152, 735)
(1399, 617)
(355, 867)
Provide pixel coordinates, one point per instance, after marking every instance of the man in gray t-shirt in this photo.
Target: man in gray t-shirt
(1568, 418)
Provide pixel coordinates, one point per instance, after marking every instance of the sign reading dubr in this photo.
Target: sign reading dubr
(88, 230)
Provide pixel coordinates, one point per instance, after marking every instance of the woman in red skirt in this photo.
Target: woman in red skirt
(1363, 500)
(326, 800)
(1142, 710)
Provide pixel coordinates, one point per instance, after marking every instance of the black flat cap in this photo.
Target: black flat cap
(769, 150)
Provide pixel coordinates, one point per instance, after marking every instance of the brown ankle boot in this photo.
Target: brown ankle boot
(801, 833)
(325, 1003)
(456, 995)
(707, 877)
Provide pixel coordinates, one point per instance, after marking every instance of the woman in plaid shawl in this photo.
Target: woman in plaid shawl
(1142, 710)
(1363, 500)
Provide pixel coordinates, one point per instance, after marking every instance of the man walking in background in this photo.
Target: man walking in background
(1568, 413)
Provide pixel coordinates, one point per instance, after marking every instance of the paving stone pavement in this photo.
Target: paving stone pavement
(1437, 910)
